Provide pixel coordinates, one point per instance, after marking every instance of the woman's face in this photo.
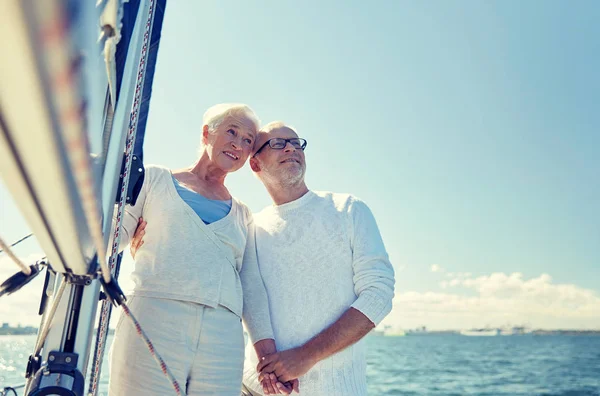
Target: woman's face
(231, 143)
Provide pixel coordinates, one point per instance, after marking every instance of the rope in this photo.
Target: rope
(24, 268)
(13, 389)
(17, 242)
(46, 328)
(106, 306)
(155, 355)
(64, 84)
(100, 346)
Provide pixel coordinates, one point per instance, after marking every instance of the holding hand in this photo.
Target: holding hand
(269, 382)
(286, 365)
(137, 241)
(271, 386)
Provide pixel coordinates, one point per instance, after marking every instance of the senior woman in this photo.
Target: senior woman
(189, 276)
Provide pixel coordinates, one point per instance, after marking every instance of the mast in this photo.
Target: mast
(70, 107)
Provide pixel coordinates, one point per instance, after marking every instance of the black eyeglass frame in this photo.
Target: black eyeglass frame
(303, 144)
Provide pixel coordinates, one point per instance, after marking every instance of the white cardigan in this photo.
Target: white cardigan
(184, 259)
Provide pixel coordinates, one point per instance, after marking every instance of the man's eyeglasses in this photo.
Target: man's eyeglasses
(280, 143)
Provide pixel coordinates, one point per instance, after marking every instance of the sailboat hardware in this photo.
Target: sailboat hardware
(86, 111)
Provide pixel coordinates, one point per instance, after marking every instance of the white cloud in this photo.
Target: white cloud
(459, 275)
(500, 299)
(436, 268)
(445, 283)
(496, 299)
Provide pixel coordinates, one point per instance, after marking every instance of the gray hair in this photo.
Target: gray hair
(214, 116)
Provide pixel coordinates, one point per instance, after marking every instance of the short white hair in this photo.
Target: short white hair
(214, 116)
(276, 125)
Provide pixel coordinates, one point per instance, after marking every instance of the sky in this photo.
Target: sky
(471, 129)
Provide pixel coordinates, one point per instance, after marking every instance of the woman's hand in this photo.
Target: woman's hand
(272, 386)
(137, 241)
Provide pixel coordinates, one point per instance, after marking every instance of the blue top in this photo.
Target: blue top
(209, 210)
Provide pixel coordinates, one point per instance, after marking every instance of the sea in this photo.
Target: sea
(448, 364)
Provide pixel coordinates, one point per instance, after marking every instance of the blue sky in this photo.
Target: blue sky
(470, 128)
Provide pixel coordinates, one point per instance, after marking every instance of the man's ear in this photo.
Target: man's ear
(254, 165)
(205, 135)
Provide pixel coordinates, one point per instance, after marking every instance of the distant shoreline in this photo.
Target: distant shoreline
(28, 330)
(467, 333)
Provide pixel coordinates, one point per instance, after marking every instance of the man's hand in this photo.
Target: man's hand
(137, 241)
(268, 381)
(287, 365)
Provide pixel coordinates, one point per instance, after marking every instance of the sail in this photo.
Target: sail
(71, 106)
(39, 100)
(129, 14)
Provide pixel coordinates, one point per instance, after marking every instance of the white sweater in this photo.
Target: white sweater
(319, 256)
(183, 258)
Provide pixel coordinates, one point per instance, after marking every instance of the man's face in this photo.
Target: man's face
(286, 166)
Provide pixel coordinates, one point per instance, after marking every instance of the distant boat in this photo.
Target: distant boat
(480, 332)
(393, 333)
(389, 331)
(517, 330)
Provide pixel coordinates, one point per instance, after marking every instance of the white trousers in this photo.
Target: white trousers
(203, 347)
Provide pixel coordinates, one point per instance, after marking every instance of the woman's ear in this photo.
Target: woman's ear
(205, 135)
